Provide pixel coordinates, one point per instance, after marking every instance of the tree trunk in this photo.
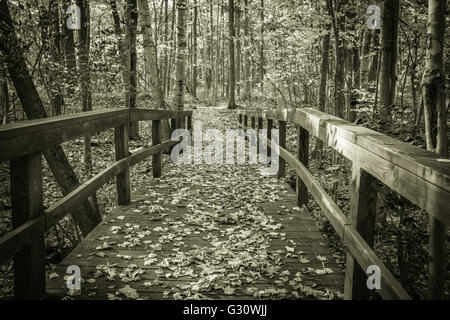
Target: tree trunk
(365, 60)
(324, 61)
(246, 52)
(68, 43)
(339, 76)
(85, 80)
(181, 55)
(388, 76)
(436, 133)
(4, 93)
(87, 215)
(238, 48)
(231, 71)
(151, 53)
(131, 59)
(194, 67)
(261, 49)
(118, 32)
(55, 48)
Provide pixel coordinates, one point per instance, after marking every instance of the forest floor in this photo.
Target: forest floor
(401, 225)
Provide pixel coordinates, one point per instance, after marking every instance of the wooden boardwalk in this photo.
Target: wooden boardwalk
(187, 236)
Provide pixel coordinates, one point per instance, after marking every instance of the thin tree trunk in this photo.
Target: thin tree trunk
(85, 80)
(181, 55)
(324, 61)
(247, 67)
(131, 60)
(231, 71)
(194, 66)
(4, 93)
(436, 134)
(261, 49)
(68, 43)
(388, 76)
(238, 48)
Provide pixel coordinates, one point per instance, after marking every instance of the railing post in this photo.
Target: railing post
(189, 123)
(438, 263)
(269, 132)
(123, 178)
(245, 122)
(26, 201)
(156, 139)
(173, 124)
(260, 126)
(363, 203)
(282, 144)
(240, 118)
(303, 156)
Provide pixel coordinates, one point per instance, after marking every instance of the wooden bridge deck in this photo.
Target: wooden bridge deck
(188, 236)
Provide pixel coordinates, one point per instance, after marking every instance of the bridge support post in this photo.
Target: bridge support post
(260, 126)
(362, 214)
(26, 201)
(303, 156)
(123, 178)
(189, 124)
(282, 144)
(156, 139)
(269, 132)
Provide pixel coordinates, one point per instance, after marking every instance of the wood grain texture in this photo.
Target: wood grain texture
(363, 204)
(282, 142)
(123, 186)
(303, 157)
(26, 202)
(156, 139)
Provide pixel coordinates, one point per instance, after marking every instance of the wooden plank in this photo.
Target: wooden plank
(282, 143)
(422, 163)
(363, 204)
(123, 178)
(426, 195)
(41, 134)
(35, 135)
(26, 202)
(156, 139)
(303, 157)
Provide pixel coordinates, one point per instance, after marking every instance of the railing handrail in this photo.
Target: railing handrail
(25, 137)
(407, 169)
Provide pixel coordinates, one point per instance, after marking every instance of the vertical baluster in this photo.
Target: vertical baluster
(123, 178)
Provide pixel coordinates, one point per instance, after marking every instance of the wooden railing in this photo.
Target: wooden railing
(23, 143)
(418, 175)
